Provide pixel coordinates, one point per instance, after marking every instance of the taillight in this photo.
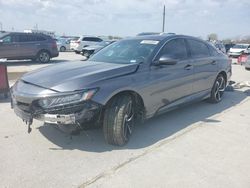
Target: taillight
(54, 45)
(78, 42)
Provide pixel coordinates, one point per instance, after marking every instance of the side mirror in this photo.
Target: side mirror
(166, 60)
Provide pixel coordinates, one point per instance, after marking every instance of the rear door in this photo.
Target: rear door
(8, 48)
(205, 65)
(27, 45)
(171, 82)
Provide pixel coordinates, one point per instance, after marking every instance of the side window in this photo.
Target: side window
(7, 39)
(175, 49)
(32, 38)
(198, 49)
(97, 40)
(23, 38)
(40, 38)
(86, 39)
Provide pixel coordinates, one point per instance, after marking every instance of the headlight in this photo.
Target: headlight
(66, 99)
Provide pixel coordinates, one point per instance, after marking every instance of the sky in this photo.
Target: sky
(227, 18)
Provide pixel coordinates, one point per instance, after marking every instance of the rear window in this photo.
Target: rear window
(198, 49)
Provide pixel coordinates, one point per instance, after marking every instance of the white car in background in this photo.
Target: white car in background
(238, 49)
(83, 42)
(63, 44)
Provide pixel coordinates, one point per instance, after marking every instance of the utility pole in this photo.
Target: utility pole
(163, 23)
(1, 26)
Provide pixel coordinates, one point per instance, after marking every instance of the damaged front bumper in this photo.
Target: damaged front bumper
(73, 114)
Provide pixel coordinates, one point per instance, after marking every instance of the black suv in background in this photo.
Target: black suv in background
(35, 46)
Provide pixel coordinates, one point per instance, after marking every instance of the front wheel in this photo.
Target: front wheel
(118, 120)
(43, 57)
(218, 89)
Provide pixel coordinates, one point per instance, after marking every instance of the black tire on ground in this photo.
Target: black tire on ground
(247, 68)
(43, 56)
(77, 52)
(118, 120)
(62, 49)
(218, 89)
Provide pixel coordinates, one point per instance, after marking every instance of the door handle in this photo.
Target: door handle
(213, 62)
(188, 67)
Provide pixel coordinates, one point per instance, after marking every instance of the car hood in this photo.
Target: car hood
(72, 76)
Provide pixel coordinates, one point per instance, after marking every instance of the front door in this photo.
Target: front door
(8, 48)
(169, 83)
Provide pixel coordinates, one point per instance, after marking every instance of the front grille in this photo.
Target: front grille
(67, 109)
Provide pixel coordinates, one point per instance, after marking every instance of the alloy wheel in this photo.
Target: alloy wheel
(220, 86)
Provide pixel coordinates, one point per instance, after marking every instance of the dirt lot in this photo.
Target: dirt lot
(201, 145)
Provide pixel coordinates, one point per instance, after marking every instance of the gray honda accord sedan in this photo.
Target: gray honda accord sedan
(127, 82)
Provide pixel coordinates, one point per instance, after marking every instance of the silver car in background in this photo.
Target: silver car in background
(63, 44)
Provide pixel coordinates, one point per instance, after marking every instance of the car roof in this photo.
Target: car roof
(23, 33)
(164, 37)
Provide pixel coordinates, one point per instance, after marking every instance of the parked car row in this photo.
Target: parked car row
(90, 50)
(238, 49)
(84, 41)
(63, 44)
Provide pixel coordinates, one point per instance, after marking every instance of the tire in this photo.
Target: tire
(43, 57)
(248, 69)
(218, 89)
(62, 49)
(118, 120)
(77, 52)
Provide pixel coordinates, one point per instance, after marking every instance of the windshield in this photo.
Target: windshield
(126, 51)
(241, 46)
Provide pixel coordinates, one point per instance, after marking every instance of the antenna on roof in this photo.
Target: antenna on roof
(164, 15)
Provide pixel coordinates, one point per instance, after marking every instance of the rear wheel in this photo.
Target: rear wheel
(218, 89)
(118, 120)
(43, 57)
(247, 68)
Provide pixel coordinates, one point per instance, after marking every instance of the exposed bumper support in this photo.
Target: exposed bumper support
(58, 118)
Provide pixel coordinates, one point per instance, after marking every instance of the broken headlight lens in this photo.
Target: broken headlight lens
(49, 102)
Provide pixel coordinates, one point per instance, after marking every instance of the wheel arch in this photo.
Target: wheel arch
(140, 106)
